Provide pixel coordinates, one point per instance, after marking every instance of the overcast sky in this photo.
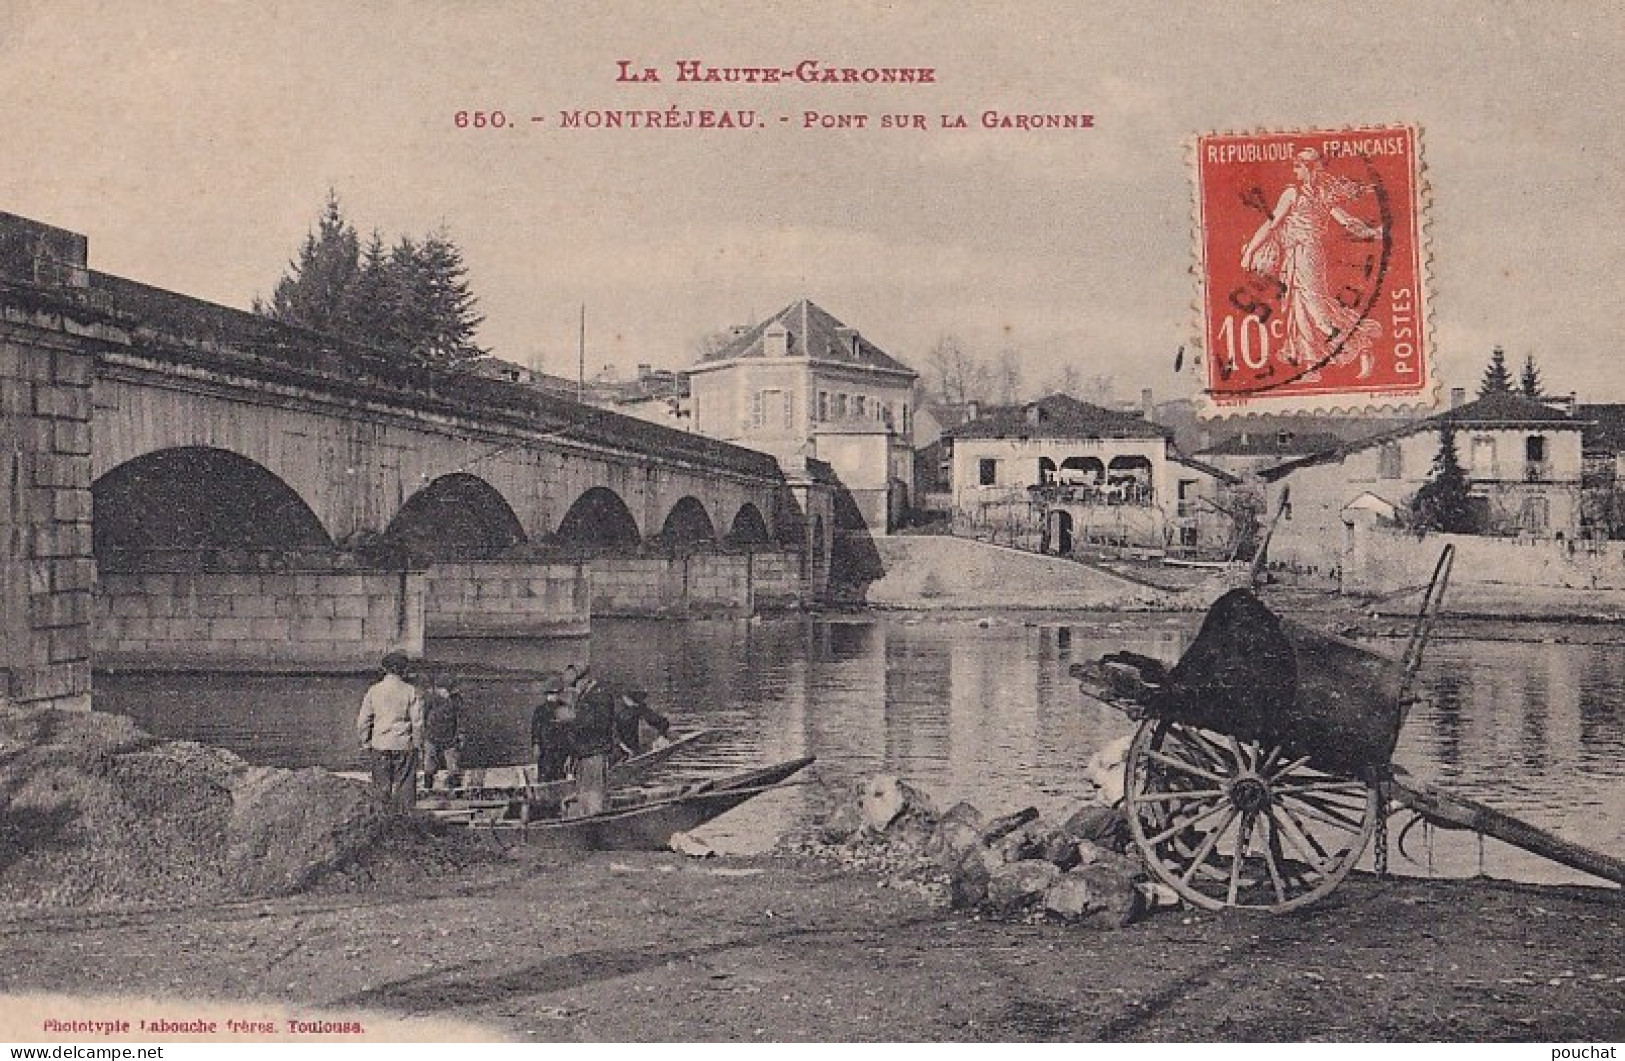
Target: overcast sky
(194, 144)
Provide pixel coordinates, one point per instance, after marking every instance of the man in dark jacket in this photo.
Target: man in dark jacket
(632, 713)
(442, 726)
(550, 732)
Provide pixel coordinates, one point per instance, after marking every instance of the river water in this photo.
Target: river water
(977, 709)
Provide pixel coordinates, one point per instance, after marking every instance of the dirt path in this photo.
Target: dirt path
(654, 947)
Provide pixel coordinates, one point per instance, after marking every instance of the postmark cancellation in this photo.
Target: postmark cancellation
(1313, 271)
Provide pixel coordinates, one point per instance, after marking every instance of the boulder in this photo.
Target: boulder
(843, 822)
(1025, 842)
(1113, 893)
(1068, 897)
(1015, 885)
(999, 828)
(951, 841)
(968, 878)
(1106, 826)
(895, 809)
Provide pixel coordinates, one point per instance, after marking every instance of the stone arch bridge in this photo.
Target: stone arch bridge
(195, 486)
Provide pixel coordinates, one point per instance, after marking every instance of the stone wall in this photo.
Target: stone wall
(46, 567)
(1380, 561)
(256, 622)
(704, 583)
(507, 599)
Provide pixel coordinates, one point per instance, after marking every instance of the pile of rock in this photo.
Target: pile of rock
(1010, 866)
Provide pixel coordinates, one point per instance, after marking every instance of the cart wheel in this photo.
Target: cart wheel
(1231, 823)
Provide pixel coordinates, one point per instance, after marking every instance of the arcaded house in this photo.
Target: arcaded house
(1058, 473)
(1522, 458)
(804, 386)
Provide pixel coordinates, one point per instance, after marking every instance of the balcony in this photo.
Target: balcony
(1537, 471)
(1077, 494)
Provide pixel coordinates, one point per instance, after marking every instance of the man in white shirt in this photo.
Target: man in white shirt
(391, 727)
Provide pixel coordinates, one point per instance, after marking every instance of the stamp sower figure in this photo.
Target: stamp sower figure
(390, 725)
(550, 732)
(442, 726)
(592, 738)
(1296, 246)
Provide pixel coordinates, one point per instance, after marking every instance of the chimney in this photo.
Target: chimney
(1458, 397)
(644, 371)
(972, 410)
(776, 341)
(1148, 407)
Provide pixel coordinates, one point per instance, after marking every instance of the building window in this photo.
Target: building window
(768, 404)
(840, 407)
(987, 471)
(1483, 458)
(905, 418)
(823, 406)
(1535, 470)
(1536, 515)
(1389, 462)
(1187, 500)
(859, 410)
(756, 409)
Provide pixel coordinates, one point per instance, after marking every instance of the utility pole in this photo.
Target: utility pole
(581, 357)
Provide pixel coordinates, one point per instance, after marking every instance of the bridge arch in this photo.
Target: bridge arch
(198, 497)
(749, 528)
(688, 523)
(456, 517)
(599, 519)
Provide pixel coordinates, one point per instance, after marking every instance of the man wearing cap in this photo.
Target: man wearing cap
(390, 725)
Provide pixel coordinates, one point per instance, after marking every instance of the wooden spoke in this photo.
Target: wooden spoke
(1303, 831)
(1189, 823)
(1170, 797)
(1180, 764)
(1275, 870)
(1296, 764)
(1326, 817)
(1211, 751)
(1297, 842)
(1244, 830)
(1207, 847)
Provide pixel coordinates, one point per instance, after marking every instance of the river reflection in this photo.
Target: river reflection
(977, 710)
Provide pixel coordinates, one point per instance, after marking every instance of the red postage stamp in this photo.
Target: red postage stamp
(1312, 270)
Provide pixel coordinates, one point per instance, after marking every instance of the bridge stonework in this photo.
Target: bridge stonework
(47, 568)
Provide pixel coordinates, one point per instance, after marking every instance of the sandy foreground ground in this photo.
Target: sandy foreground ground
(657, 947)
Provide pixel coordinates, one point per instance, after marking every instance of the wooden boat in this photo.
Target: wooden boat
(495, 782)
(637, 819)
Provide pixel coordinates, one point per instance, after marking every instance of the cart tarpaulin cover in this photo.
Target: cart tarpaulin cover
(1256, 676)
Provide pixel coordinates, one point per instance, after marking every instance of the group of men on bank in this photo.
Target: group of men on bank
(581, 726)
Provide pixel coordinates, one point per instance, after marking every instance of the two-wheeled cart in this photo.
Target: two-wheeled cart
(1263, 762)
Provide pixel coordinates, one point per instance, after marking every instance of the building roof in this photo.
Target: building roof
(1282, 443)
(1499, 410)
(814, 334)
(1057, 416)
(1604, 430)
(1206, 469)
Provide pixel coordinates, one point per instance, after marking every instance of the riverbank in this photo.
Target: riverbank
(655, 947)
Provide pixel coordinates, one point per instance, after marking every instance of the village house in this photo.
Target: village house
(803, 386)
(1251, 450)
(1057, 473)
(1522, 458)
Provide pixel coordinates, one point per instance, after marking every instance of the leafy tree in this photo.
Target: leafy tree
(1443, 502)
(1529, 380)
(1497, 380)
